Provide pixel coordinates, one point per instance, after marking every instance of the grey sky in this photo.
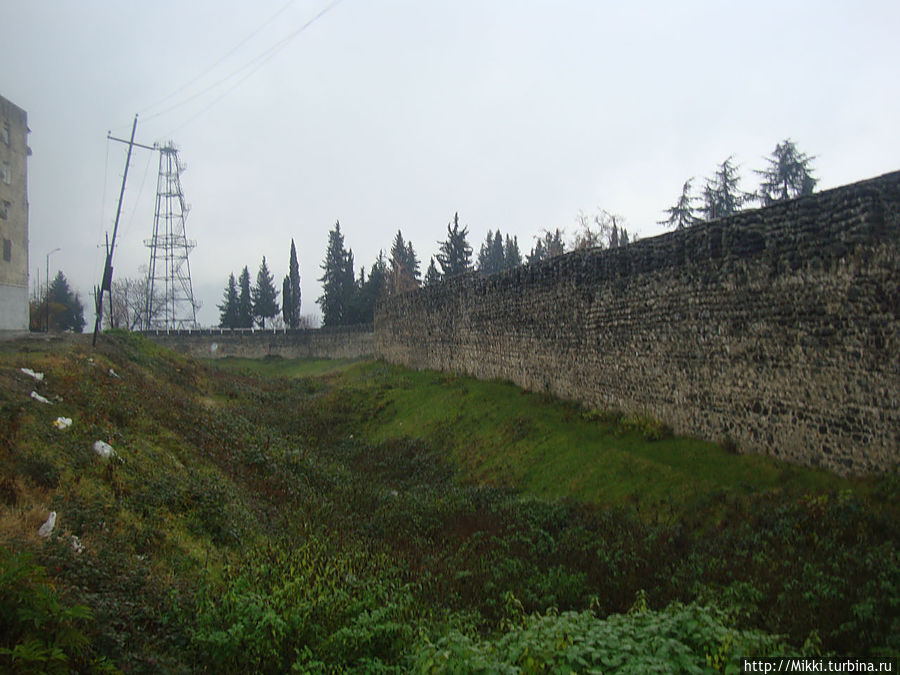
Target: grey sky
(390, 114)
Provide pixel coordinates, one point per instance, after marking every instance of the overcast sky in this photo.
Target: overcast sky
(394, 114)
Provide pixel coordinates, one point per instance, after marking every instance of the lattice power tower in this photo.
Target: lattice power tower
(169, 276)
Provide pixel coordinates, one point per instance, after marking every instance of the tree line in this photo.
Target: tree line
(788, 175)
(245, 305)
(349, 297)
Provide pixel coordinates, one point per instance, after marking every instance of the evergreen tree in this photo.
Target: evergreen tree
(371, 289)
(432, 276)
(404, 272)
(66, 311)
(491, 257)
(290, 296)
(682, 214)
(352, 288)
(286, 301)
(548, 245)
(721, 195)
(511, 255)
(264, 296)
(455, 253)
(229, 309)
(245, 300)
(412, 261)
(338, 284)
(788, 175)
(537, 252)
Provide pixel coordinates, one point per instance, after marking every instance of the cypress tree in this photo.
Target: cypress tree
(292, 302)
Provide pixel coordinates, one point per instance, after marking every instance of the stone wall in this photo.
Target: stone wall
(324, 343)
(778, 328)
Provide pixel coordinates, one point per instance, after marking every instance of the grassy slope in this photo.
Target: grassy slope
(501, 435)
(246, 517)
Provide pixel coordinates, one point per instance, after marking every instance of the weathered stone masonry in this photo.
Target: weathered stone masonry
(325, 343)
(777, 328)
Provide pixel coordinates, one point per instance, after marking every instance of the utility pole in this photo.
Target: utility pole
(106, 283)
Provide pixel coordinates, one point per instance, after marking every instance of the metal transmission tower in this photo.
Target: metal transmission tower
(169, 277)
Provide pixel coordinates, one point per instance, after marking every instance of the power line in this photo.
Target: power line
(220, 60)
(251, 67)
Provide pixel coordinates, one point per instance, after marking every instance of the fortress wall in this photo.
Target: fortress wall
(778, 328)
(323, 343)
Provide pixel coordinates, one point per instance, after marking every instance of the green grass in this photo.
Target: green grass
(275, 366)
(349, 516)
(501, 435)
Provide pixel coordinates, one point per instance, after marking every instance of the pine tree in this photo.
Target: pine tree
(245, 300)
(229, 309)
(682, 214)
(485, 258)
(537, 252)
(788, 175)
(338, 286)
(371, 289)
(721, 195)
(412, 261)
(549, 245)
(455, 253)
(264, 296)
(511, 255)
(66, 311)
(432, 276)
(404, 272)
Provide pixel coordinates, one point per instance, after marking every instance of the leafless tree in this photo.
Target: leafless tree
(128, 308)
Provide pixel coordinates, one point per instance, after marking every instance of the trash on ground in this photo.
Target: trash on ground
(104, 449)
(40, 399)
(62, 423)
(46, 529)
(37, 376)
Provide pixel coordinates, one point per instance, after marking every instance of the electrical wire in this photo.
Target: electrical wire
(209, 69)
(250, 67)
(140, 193)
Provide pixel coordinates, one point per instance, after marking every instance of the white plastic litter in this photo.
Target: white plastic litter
(37, 376)
(113, 374)
(77, 546)
(37, 397)
(46, 529)
(104, 449)
(63, 423)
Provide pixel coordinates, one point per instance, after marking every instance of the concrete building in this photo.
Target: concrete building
(14, 151)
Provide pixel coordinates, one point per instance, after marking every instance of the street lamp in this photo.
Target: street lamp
(47, 295)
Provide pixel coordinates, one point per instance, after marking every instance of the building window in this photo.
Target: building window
(7, 250)
(4, 210)
(4, 134)
(4, 173)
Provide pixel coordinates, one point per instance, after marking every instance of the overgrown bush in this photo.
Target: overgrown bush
(38, 632)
